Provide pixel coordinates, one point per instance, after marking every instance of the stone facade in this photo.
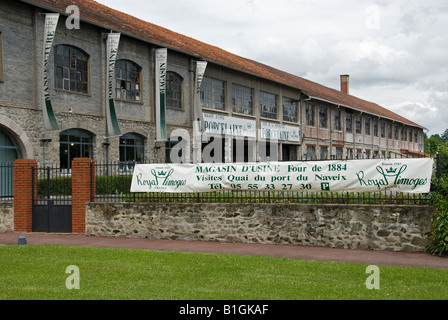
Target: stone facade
(6, 216)
(374, 227)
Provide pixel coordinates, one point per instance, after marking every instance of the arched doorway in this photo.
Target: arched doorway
(9, 152)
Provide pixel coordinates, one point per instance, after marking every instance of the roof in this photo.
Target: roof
(103, 16)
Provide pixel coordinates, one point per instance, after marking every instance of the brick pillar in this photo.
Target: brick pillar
(23, 198)
(83, 187)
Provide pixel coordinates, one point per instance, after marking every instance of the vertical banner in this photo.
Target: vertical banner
(198, 116)
(51, 22)
(198, 121)
(113, 40)
(161, 65)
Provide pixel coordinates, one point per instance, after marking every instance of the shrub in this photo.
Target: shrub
(439, 236)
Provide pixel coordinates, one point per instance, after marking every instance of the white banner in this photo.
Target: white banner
(200, 71)
(51, 22)
(161, 65)
(113, 40)
(224, 125)
(401, 175)
(281, 132)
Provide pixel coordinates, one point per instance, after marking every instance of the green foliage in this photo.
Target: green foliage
(113, 184)
(61, 186)
(439, 237)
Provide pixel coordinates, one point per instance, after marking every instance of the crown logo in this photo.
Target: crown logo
(162, 173)
(391, 170)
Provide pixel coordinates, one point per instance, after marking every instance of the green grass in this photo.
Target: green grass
(38, 272)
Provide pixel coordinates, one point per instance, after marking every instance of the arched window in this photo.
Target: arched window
(71, 69)
(9, 150)
(174, 90)
(74, 143)
(127, 75)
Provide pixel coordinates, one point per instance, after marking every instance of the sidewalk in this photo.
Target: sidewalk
(369, 257)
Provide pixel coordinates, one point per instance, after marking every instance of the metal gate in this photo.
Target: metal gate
(52, 200)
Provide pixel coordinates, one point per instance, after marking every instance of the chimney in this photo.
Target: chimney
(345, 83)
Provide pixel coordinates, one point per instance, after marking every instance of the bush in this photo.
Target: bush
(439, 236)
(61, 186)
(113, 184)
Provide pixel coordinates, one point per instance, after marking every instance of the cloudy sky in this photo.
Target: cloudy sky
(396, 52)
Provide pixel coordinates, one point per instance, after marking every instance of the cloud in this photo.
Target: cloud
(395, 51)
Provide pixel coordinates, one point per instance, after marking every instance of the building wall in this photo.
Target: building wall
(374, 227)
(21, 28)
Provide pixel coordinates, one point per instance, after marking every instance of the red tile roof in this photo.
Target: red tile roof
(103, 16)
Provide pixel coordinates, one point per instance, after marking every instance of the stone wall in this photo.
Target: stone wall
(6, 216)
(391, 227)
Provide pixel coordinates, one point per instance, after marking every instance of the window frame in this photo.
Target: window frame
(337, 120)
(214, 96)
(268, 105)
(133, 83)
(323, 117)
(2, 79)
(67, 72)
(179, 105)
(289, 114)
(242, 99)
(310, 115)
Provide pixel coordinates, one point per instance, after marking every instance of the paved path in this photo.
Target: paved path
(418, 259)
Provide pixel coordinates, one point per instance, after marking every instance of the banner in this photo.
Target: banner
(401, 175)
(200, 71)
(113, 40)
(278, 131)
(231, 126)
(161, 64)
(51, 22)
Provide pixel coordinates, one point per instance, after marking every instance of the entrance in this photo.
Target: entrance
(52, 203)
(9, 152)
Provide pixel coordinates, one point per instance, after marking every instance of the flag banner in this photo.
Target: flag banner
(113, 128)
(161, 65)
(51, 22)
(400, 175)
(198, 116)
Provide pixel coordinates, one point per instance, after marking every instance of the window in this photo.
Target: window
(375, 128)
(131, 150)
(268, 105)
(289, 110)
(358, 124)
(383, 129)
(1, 58)
(174, 90)
(349, 122)
(173, 150)
(396, 133)
(389, 131)
(323, 116)
(71, 69)
(310, 115)
(339, 153)
(323, 153)
(410, 136)
(337, 120)
(367, 126)
(127, 76)
(74, 143)
(310, 152)
(242, 99)
(213, 94)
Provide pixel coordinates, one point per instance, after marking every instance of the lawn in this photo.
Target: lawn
(39, 272)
